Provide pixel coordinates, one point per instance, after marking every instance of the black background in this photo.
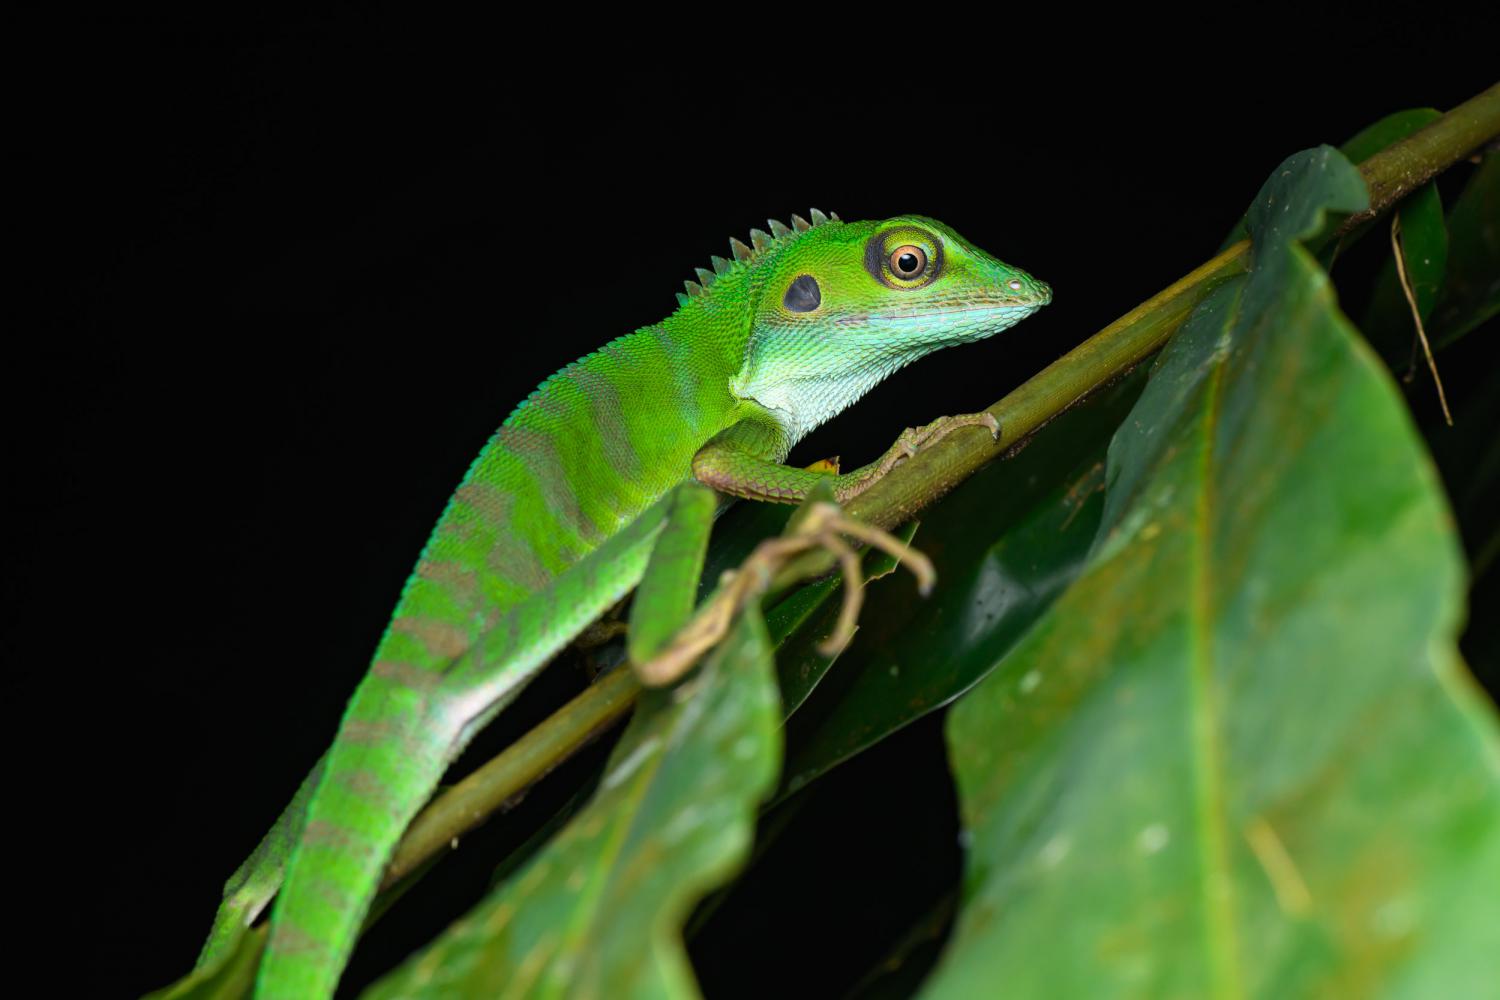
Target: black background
(281, 281)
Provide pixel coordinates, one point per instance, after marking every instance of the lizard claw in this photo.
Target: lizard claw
(914, 439)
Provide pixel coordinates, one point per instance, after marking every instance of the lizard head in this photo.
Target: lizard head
(844, 304)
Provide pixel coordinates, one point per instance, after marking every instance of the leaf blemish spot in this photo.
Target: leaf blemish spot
(1153, 838)
(1055, 850)
(1030, 681)
(1395, 918)
(631, 763)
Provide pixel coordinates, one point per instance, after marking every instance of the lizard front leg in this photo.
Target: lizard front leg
(730, 462)
(733, 462)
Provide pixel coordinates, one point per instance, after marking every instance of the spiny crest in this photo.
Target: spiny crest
(744, 254)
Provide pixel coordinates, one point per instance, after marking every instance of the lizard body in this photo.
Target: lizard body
(555, 520)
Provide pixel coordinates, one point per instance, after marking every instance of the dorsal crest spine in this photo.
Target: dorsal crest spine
(761, 243)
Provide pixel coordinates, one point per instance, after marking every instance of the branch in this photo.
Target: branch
(1106, 356)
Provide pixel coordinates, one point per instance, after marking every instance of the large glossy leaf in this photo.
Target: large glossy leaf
(1005, 544)
(1239, 756)
(598, 911)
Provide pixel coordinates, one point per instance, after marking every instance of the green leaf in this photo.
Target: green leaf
(230, 975)
(1240, 756)
(1005, 544)
(1468, 458)
(1472, 292)
(1424, 250)
(1387, 322)
(598, 911)
(1424, 246)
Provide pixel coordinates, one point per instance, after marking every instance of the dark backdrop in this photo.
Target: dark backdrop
(282, 281)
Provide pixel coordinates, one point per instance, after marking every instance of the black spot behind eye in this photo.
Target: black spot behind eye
(803, 295)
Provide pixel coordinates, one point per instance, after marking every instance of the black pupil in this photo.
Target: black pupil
(907, 263)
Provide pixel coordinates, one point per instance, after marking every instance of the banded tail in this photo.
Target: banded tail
(551, 526)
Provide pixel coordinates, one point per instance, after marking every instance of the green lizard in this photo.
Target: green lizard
(557, 519)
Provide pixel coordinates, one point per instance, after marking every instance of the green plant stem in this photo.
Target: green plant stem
(1402, 167)
(918, 482)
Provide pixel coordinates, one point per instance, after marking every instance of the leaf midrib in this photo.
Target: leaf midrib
(1208, 771)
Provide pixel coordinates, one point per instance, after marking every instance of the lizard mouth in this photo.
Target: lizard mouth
(1019, 309)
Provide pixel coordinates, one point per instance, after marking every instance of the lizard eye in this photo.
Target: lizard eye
(904, 258)
(908, 261)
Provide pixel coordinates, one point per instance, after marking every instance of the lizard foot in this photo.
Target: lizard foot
(914, 439)
(824, 527)
(911, 441)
